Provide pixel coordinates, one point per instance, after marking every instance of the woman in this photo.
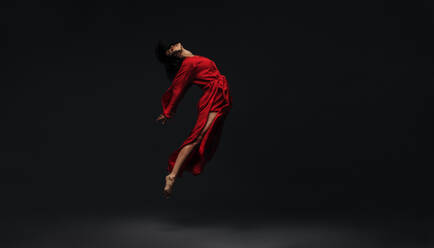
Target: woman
(184, 69)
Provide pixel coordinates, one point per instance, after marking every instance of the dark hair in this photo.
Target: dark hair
(171, 63)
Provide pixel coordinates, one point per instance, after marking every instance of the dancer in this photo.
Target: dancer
(184, 69)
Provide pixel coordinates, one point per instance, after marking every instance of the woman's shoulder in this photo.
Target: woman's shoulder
(200, 59)
(197, 61)
(188, 61)
(193, 60)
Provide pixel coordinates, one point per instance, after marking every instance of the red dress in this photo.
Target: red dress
(203, 72)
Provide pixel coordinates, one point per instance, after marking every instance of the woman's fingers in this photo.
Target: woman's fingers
(161, 118)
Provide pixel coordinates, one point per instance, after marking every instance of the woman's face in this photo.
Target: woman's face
(174, 50)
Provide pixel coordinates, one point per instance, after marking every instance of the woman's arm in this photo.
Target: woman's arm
(177, 89)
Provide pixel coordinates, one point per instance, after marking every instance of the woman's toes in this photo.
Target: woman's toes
(169, 184)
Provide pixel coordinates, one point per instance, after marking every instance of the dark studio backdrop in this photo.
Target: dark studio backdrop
(333, 106)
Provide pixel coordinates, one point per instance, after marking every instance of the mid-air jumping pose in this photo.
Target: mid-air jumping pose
(184, 69)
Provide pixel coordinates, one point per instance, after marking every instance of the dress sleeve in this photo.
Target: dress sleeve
(177, 89)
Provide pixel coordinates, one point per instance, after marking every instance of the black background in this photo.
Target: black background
(332, 115)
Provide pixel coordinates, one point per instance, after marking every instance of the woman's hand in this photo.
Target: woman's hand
(161, 118)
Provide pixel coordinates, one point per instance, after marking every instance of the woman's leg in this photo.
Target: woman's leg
(185, 151)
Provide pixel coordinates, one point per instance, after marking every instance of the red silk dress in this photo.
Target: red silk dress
(202, 72)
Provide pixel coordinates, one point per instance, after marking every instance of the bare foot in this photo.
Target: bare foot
(170, 180)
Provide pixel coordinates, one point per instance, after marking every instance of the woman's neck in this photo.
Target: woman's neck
(186, 53)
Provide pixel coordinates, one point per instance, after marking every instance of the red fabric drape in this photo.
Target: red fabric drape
(203, 72)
